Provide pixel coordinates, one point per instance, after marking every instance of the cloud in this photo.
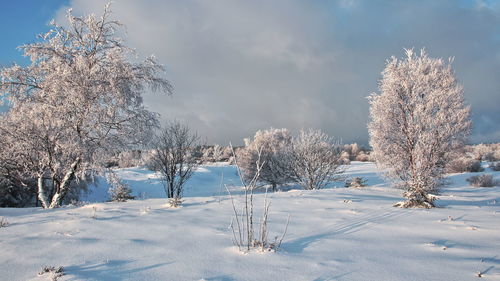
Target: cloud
(239, 66)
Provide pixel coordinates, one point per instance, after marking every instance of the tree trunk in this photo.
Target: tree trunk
(41, 192)
(171, 189)
(417, 198)
(64, 187)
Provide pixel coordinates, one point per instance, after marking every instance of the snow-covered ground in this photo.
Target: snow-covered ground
(334, 234)
(146, 184)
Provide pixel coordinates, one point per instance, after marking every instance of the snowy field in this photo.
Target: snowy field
(334, 234)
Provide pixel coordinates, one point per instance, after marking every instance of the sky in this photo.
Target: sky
(238, 66)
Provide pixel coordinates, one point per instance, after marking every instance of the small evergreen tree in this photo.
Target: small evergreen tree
(119, 191)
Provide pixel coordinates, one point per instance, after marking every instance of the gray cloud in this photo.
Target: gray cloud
(239, 66)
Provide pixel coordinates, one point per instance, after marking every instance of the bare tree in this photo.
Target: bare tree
(270, 147)
(316, 160)
(173, 158)
(417, 119)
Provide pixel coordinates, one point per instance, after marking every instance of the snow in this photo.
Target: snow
(146, 184)
(334, 234)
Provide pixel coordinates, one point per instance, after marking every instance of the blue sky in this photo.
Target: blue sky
(239, 65)
(20, 21)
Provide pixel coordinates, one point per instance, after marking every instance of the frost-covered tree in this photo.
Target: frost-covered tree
(272, 147)
(417, 119)
(173, 158)
(487, 152)
(217, 153)
(227, 154)
(78, 100)
(315, 160)
(130, 158)
(118, 191)
(208, 154)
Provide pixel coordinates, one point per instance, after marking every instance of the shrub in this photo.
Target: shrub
(207, 154)
(475, 167)
(315, 160)
(119, 191)
(3, 223)
(271, 147)
(345, 157)
(13, 194)
(463, 164)
(363, 157)
(355, 152)
(215, 153)
(246, 234)
(55, 273)
(495, 166)
(356, 182)
(486, 152)
(485, 180)
(130, 158)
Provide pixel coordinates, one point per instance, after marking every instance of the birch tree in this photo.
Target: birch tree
(417, 119)
(78, 100)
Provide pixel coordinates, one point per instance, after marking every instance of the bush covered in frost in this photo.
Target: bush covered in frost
(356, 182)
(484, 180)
(464, 164)
(495, 166)
(119, 191)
